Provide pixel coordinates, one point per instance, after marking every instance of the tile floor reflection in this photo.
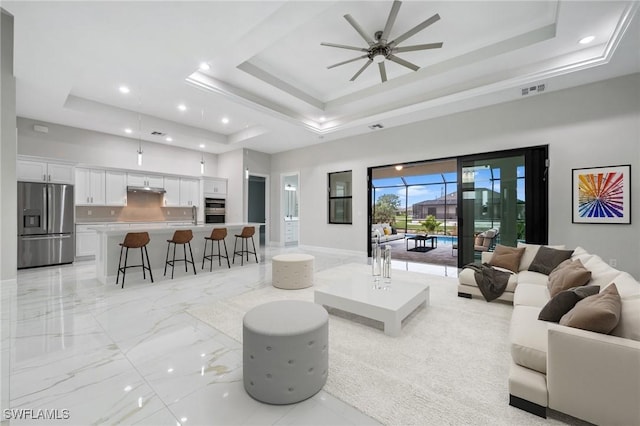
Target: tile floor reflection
(135, 356)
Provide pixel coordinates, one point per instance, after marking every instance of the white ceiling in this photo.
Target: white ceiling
(269, 72)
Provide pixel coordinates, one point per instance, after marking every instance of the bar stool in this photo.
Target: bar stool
(134, 240)
(218, 234)
(247, 232)
(183, 237)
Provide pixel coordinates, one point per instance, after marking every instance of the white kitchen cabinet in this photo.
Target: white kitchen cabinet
(152, 181)
(39, 171)
(90, 187)
(86, 240)
(172, 196)
(214, 188)
(188, 192)
(115, 188)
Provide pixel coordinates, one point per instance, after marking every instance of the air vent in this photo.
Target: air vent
(376, 126)
(157, 133)
(533, 89)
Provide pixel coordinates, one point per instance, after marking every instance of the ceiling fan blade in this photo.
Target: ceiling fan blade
(403, 62)
(342, 46)
(359, 29)
(390, 20)
(383, 71)
(364, 67)
(417, 47)
(346, 62)
(415, 30)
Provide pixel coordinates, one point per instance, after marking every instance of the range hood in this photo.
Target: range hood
(147, 189)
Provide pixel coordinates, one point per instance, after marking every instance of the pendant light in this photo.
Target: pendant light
(202, 153)
(139, 135)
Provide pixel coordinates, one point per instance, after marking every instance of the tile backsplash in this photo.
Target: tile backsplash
(141, 207)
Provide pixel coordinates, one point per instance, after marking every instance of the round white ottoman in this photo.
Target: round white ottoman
(285, 351)
(292, 271)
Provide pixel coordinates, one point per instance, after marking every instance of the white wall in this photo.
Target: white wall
(587, 126)
(8, 187)
(230, 166)
(8, 204)
(104, 150)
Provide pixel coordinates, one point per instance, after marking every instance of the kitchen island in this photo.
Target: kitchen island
(110, 237)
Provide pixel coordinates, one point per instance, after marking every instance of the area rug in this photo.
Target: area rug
(449, 365)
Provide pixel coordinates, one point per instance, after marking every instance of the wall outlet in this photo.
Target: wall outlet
(613, 262)
(168, 213)
(184, 213)
(112, 212)
(89, 212)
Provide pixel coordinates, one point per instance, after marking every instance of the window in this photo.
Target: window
(340, 197)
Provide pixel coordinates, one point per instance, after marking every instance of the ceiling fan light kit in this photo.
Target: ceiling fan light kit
(379, 49)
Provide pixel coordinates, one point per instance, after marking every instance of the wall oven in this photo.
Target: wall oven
(214, 210)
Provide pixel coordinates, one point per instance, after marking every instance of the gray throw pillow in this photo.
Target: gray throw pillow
(547, 259)
(564, 301)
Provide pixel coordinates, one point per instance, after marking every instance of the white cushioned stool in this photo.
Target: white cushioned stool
(292, 271)
(285, 351)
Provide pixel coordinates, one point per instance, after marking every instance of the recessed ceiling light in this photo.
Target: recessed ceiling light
(225, 120)
(169, 139)
(205, 66)
(128, 131)
(399, 167)
(323, 118)
(182, 107)
(587, 40)
(201, 145)
(124, 89)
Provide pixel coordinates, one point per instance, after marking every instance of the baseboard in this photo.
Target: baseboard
(528, 406)
(465, 295)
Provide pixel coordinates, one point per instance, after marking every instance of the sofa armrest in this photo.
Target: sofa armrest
(593, 376)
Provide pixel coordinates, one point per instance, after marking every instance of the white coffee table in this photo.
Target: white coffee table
(350, 288)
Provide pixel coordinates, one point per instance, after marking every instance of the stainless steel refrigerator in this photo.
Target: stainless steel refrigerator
(45, 224)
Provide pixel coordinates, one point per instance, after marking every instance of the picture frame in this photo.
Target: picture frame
(601, 195)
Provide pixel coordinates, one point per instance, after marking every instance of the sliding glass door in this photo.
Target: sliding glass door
(502, 199)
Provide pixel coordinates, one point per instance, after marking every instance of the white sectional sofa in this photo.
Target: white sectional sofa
(588, 375)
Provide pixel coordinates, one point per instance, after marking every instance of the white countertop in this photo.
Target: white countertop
(163, 227)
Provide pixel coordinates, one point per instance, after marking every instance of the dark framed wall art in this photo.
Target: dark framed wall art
(602, 195)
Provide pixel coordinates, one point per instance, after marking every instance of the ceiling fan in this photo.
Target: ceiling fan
(381, 49)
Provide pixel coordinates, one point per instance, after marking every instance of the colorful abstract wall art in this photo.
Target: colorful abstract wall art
(602, 195)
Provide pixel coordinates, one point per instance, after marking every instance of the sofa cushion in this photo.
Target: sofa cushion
(530, 277)
(531, 295)
(599, 313)
(528, 338)
(530, 252)
(629, 324)
(548, 258)
(507, 257)
(582, 254)
(627, 285)
(601, 273)
(570, 273)
(564, 301)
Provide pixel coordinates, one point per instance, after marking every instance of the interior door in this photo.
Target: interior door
(257, 203)
(505, 191)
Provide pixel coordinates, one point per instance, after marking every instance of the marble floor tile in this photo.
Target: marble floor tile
(110, 355)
